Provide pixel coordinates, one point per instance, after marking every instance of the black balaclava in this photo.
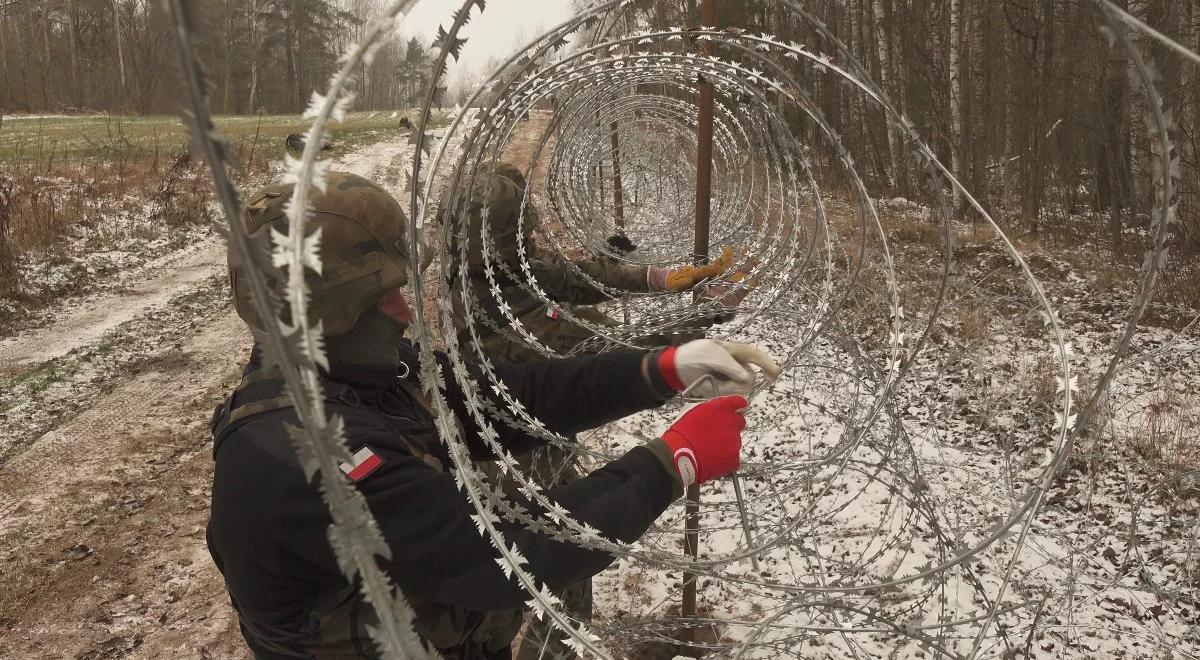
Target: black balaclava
(370, 353)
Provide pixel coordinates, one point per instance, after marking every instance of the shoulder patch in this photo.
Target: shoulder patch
(364, 462)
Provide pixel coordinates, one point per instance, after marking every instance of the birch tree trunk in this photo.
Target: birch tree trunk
(26, 48)
(1112, 155)
(1194, 229)
(45, 55)
(4, 47)
(120, 53)
(73, 37)
(883, 13)
(252, 31)
(956, 100)
(226, 105)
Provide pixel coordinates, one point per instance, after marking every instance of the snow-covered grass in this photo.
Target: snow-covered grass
(71, 231)
(880, 535)
(845, 507)
(85, 198)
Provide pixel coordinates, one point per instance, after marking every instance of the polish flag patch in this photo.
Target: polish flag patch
(365, 462)
(553, 312)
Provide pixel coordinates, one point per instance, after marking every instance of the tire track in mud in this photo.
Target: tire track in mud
(101, 536)
(80, 323)
(36, 401)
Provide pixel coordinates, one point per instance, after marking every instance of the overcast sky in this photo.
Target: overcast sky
(492, 33)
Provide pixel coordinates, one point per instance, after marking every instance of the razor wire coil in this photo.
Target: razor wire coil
(873, 501)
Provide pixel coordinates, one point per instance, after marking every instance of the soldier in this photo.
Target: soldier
(564, 281)
(268, 529)
(553, 465)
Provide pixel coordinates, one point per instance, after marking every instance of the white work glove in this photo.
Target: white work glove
(706, 369)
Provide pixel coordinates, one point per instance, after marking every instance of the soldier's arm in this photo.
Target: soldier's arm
(627, 277)
(270, 519)
(568, 395)
(564, 283)
(439, 554)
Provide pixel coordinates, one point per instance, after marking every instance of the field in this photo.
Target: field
(112, 138)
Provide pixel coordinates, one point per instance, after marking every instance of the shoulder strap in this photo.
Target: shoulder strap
(261, 391)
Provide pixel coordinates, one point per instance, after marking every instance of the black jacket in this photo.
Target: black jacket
(267, 533)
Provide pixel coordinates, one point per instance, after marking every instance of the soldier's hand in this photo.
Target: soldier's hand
(707, 368)
(726, 294)
(706, 443)
(682, 279)
(621, 243)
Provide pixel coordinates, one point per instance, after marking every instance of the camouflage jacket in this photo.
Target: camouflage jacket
(564, 283)
(268, 528)
(561, 281)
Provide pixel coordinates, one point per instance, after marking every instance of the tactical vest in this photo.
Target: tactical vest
(338, 625)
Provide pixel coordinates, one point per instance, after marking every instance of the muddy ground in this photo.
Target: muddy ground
(108, 464)
(105, 456)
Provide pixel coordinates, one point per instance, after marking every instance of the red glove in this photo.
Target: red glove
(706, 443)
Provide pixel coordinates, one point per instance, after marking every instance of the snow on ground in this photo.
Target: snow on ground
(839, 505)
(842, 516)
(881, 537)
(132, 293)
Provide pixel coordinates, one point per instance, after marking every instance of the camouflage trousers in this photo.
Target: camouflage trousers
(548, 467)
(341, 631)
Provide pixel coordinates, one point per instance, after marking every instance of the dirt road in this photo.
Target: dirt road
(105, 461)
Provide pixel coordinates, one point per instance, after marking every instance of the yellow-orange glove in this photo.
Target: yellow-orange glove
(681, 279)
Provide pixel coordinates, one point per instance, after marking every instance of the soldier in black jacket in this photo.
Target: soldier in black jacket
(495, 202)
(268, 530)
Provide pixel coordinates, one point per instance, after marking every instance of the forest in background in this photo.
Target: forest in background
(1022, 99)
(67, 56)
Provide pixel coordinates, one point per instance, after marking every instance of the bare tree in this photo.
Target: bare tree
(954, 58)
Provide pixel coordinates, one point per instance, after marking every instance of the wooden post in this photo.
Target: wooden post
(704, 137)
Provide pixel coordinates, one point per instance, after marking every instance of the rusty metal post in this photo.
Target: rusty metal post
(704, 138)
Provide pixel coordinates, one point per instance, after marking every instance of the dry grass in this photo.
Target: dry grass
(975, 324)
(7, 270)
(61, 175)
(49, 203)
(1170, 441)
(1044, 385)
(1180, 286)
(908, 228)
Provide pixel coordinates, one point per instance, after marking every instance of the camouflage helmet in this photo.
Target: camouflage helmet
(363, 249)
(505, 201)
(506, 170)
